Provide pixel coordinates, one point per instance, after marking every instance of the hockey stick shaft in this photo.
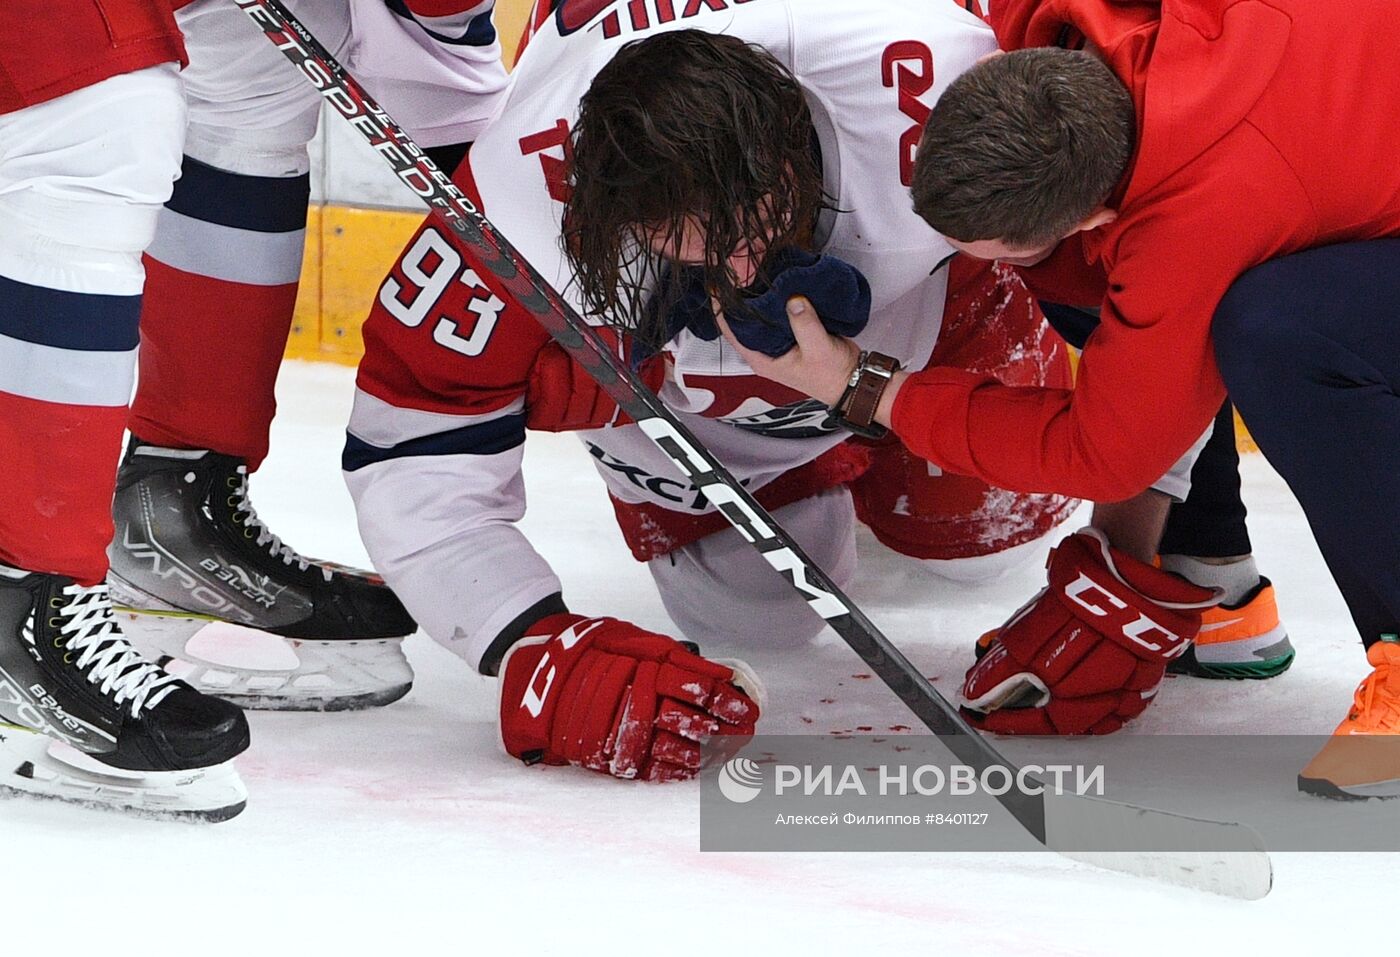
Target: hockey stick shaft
(471, 227)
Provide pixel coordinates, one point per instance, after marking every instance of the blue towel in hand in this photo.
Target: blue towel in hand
(837, 290)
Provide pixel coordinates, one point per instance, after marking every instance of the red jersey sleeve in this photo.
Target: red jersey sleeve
(51, 49)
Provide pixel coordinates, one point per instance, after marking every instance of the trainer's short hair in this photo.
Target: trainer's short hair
(1024, 146)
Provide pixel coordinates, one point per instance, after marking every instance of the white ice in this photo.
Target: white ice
(406, 831)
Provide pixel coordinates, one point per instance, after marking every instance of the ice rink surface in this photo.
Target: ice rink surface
(406, 831)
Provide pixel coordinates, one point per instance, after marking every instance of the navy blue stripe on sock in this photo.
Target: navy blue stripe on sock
(68, 320)
(485, 438)
(481, 32)
(266, 204)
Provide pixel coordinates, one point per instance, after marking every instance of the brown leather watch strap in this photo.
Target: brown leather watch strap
(856, 408)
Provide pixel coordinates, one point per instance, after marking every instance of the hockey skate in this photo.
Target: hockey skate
(213, 595)
(85, 719)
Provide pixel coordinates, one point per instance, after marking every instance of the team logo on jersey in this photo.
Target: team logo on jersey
(803, 420)
(907, 66)
(751, 403)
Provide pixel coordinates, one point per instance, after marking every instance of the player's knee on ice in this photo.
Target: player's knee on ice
(985, 569)
(722, 593)
(963, 529)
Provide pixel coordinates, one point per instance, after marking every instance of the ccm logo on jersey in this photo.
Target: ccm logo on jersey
(1092, 597)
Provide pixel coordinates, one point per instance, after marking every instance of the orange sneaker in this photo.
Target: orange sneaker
(1245, 640)
(1362, 759)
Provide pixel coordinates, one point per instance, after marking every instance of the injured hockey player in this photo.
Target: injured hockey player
(717, 164)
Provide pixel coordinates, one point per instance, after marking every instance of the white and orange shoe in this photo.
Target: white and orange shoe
(1244, 640)
(1362, 759)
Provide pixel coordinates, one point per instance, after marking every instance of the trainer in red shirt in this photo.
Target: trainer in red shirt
(1223, 135)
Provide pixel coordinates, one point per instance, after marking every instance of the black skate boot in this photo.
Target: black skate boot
(189, 550)
(87, 719)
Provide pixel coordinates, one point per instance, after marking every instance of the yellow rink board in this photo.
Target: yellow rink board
(349, 251)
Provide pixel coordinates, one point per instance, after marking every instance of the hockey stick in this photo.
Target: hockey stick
(1059, 822)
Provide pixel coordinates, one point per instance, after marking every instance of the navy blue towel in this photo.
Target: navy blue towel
(836, 289)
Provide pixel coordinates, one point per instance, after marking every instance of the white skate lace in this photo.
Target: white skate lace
(96, 648)
(265, 539)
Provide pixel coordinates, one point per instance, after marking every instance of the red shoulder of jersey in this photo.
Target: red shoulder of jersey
(444, 334)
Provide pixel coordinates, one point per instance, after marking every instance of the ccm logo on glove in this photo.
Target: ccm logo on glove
(533, 701)
(1136, 630)
(606, 695)
(1089, 652)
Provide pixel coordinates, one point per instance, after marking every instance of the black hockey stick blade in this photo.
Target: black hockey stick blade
(572, 331)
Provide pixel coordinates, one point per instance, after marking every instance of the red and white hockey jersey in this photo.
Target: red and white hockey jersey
(436, 438)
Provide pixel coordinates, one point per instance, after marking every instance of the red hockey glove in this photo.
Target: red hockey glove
(561, 397)
(604, 694)
(1087, 654)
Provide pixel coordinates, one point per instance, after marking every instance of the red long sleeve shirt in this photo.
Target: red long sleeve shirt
(1265, 127)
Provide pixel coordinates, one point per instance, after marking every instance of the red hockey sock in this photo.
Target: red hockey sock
(221, 284)
(66, 363)
(56, 482)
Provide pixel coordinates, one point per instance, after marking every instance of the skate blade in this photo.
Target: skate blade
(261, 671)
(33, 766)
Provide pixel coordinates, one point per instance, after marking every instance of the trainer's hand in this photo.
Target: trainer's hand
(606, 695)
(819, 365)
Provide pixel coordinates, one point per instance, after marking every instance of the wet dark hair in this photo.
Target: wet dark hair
(1023, 147)
(685, 124)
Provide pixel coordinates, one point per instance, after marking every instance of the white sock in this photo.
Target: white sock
(1236, 578)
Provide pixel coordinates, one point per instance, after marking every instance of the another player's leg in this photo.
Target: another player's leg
(233, 234)
(725, 597)
(86, 718)
(224, 270)
(1206, 541)
(1307, 347)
